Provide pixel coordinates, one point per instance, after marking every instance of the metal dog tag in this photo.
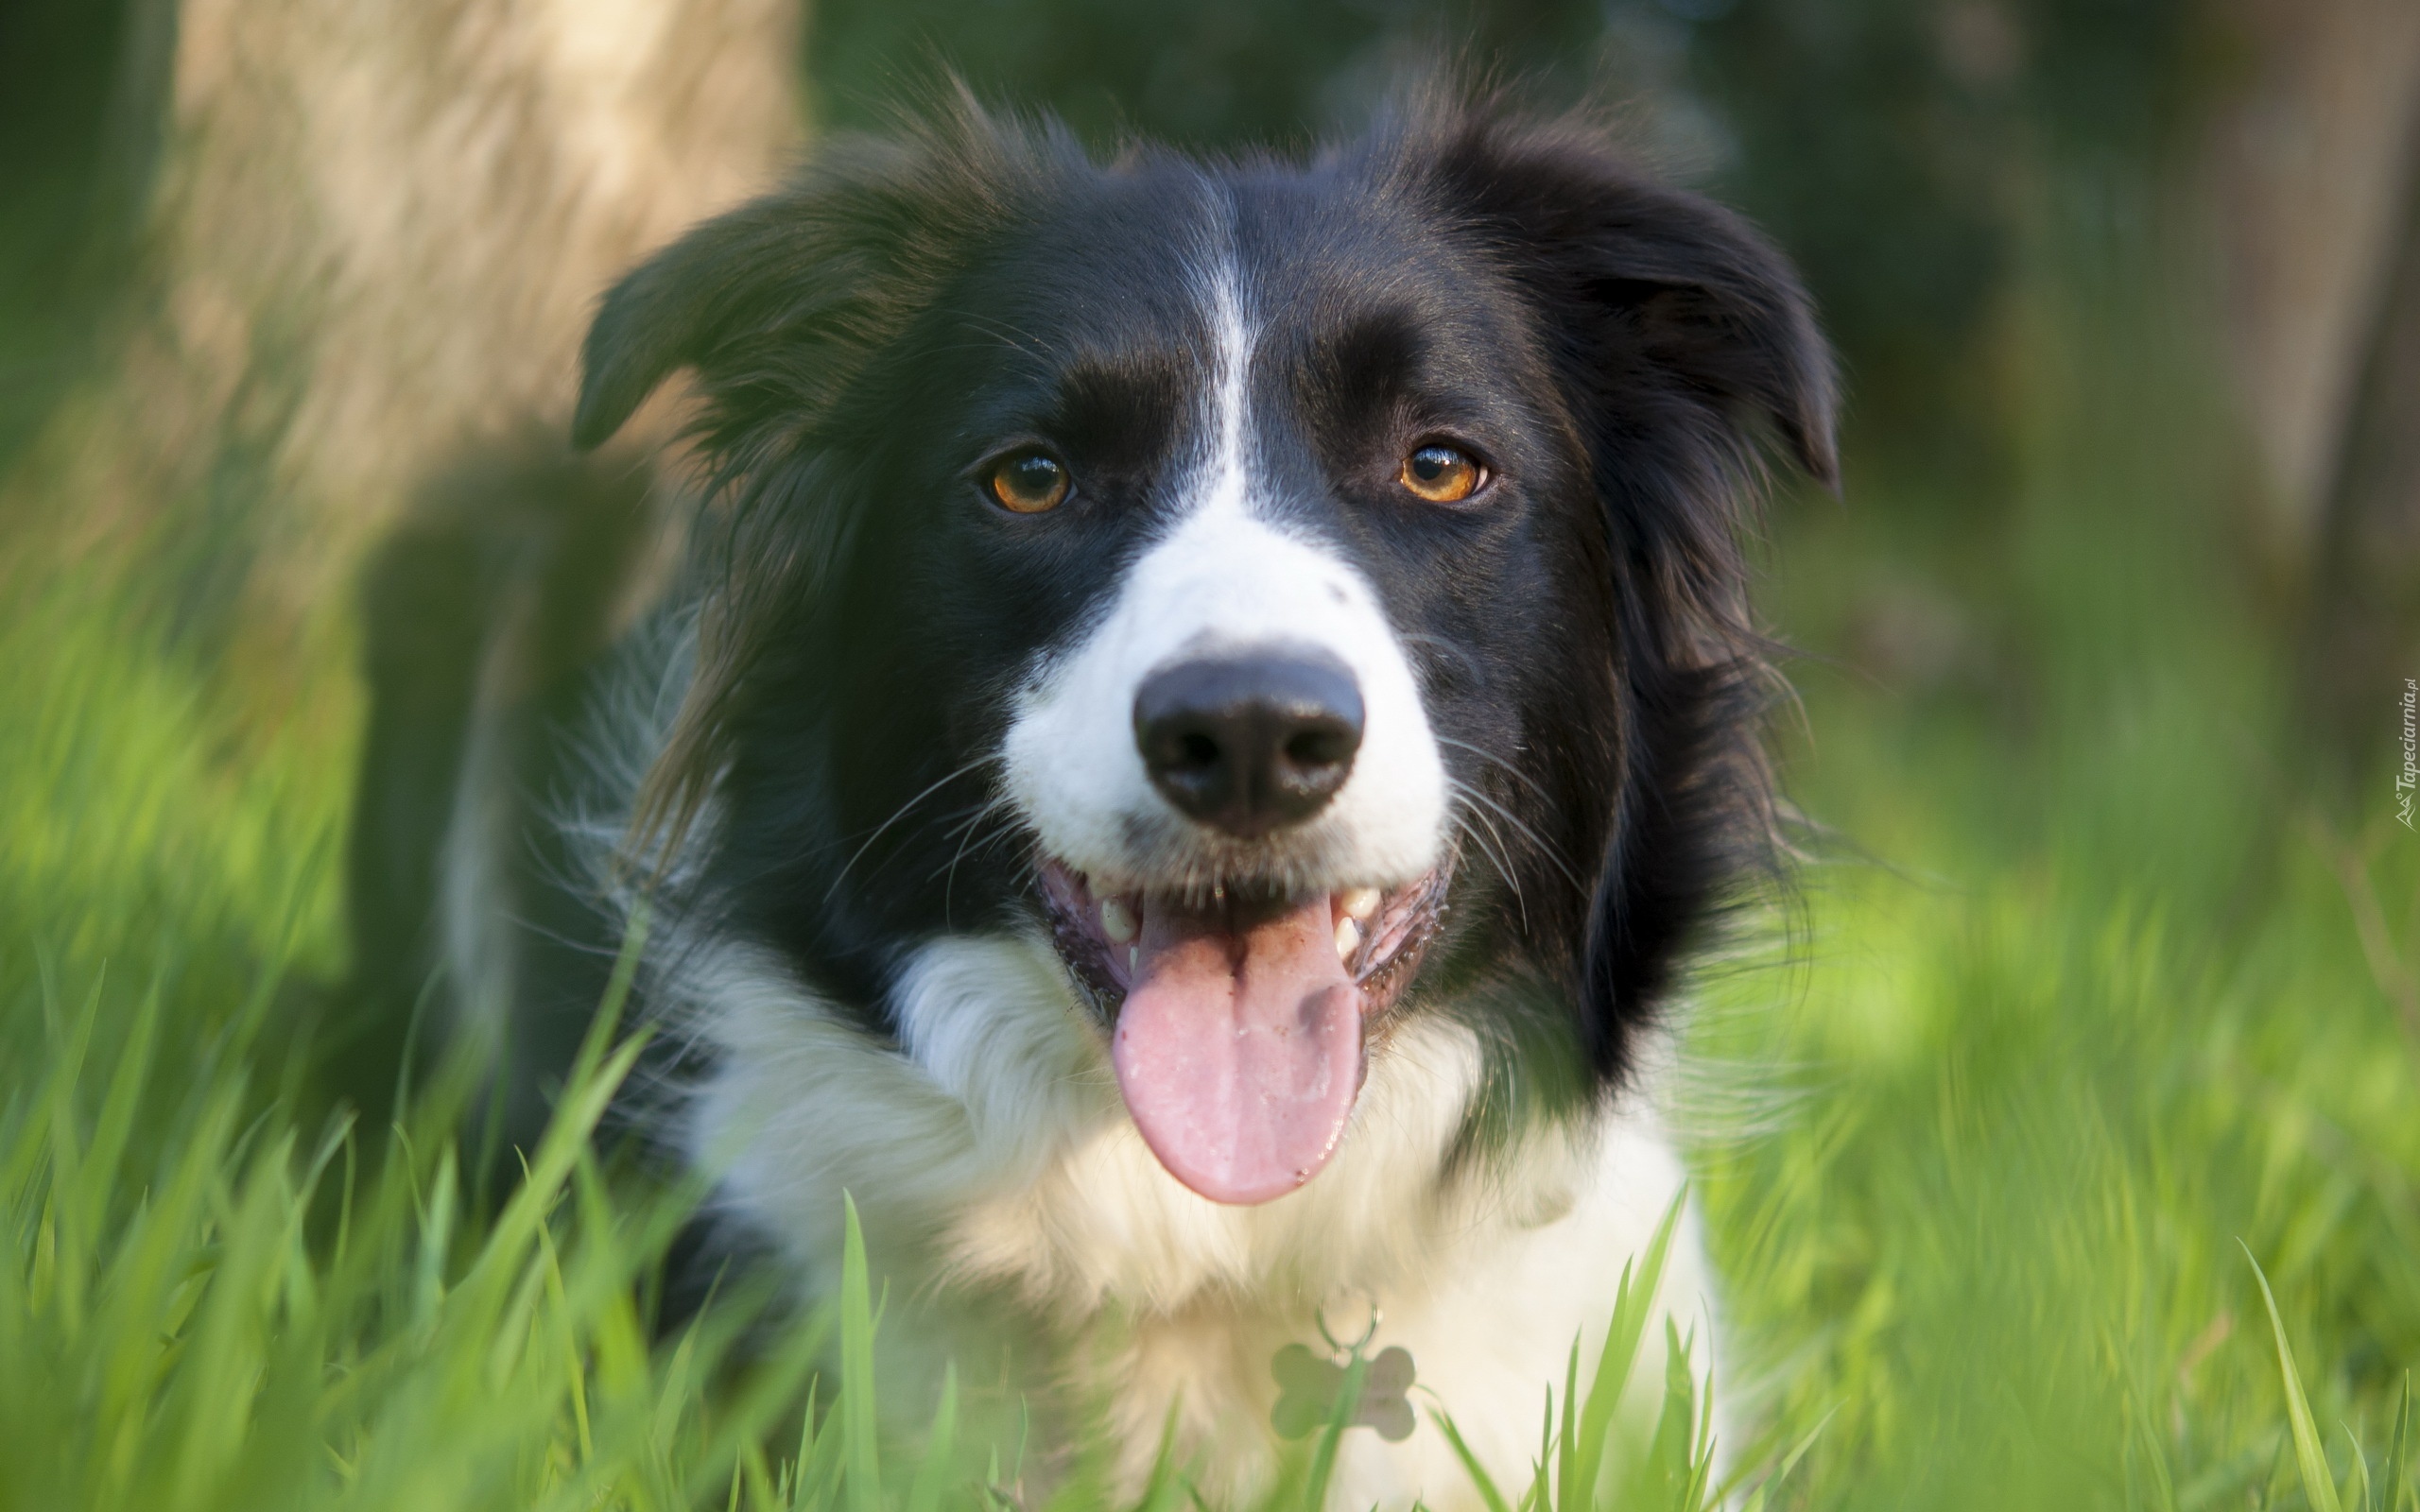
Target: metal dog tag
(1309, 1386)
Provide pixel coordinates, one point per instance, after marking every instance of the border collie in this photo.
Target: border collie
(1210, 704)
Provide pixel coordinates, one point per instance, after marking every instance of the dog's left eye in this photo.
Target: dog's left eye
(1029, 482)
(1440, 474)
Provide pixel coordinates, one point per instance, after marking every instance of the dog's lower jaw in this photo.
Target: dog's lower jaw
(1027, 1233)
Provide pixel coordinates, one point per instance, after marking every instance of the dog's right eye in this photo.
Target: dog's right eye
(1029, 482)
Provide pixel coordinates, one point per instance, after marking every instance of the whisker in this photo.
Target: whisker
(974, 817)
(968, 844)
(1487, 755)
(1550, 852)
(897, 815)
(1497, 857)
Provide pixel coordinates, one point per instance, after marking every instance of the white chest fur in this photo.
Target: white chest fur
(1010, 1202)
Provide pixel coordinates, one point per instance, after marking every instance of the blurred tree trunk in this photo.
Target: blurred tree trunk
(2310, 146)
(2364, 636)
(370, 237)
(2317, 197)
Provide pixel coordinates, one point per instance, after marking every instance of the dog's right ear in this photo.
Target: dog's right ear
(676, 309)
(774, 303)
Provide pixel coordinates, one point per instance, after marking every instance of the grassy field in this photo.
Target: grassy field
(2084, 1017)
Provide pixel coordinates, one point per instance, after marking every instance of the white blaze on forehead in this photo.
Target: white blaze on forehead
(1223, 577)
(1231, 397)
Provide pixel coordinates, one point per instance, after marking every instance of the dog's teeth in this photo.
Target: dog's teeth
(1359, 902)
(1133, 958)
(1348, 938)
(1117, 922)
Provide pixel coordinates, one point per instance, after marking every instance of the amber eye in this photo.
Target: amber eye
(1029, 482)
(1440, 474)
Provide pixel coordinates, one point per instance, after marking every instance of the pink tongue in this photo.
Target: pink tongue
(1239, 1047)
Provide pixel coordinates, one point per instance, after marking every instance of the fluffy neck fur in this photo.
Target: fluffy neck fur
(1031, 1237)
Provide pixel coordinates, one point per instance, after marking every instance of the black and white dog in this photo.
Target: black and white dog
(1213, 703)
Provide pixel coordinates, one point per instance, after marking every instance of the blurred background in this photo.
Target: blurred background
(324, 250)
(2107, 954)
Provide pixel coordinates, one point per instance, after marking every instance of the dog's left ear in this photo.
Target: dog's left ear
(1676, 312)
(1685, 349)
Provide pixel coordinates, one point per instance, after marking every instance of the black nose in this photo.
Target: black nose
(1252, 742)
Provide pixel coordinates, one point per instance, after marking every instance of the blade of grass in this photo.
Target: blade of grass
(2399, 1448)
(1642, 1277)
(2154, 1455)
(2360, 1467)
(826, 1465)
(1167, 1488)
(1541, 1471)
(1340, 1415)
(933, 1475)
(1570, 1491)
(1479, 1478)
(1671, 1457)
(1781, 1472)
(116, 1127)
(806, 1442)
(2310, 1454)
(1701, 1470)
(863, 1476)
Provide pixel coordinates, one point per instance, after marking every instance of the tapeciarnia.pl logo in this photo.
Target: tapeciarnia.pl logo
(2407, 779)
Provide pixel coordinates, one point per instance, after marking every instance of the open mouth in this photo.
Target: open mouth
(1240, 1020)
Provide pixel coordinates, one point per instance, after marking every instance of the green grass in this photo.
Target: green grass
(2065, 1153)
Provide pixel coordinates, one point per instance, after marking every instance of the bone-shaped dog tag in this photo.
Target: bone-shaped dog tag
(1308, 1385)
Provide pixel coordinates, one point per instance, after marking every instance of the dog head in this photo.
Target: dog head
(1308, 591)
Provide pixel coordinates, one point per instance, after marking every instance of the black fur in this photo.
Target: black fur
(485, 617)
(863, 339)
